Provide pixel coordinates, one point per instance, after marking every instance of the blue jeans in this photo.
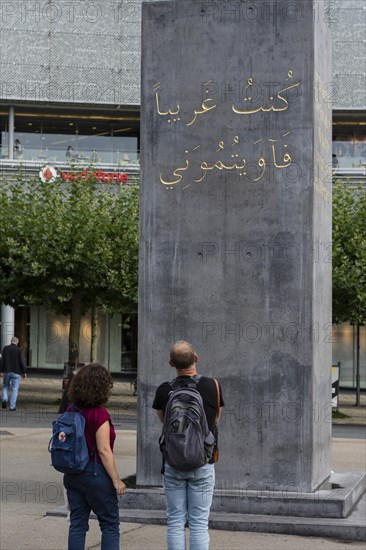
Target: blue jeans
(188, 496)
(14, 379)
(88, 491)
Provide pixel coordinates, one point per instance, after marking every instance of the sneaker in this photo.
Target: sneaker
(12, 410)
(4, 404)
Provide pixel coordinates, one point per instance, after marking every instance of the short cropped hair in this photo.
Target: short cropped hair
(14, 340)
(90, 386)
(182, 355)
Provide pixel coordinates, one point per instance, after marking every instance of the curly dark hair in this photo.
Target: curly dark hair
(90, 386)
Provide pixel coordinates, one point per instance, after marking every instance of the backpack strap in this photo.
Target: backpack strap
(218, 398)
(216, 447)
(73, 408)
(179, 382)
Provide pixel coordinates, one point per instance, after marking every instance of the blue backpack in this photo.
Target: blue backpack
(68, 448)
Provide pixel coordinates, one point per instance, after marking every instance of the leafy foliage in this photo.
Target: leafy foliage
(349, 254)
(58, 238)
(66, 240)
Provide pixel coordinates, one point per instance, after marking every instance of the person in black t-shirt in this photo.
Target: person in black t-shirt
(189, 494)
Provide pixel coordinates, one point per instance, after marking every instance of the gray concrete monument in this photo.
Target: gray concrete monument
(236, 230)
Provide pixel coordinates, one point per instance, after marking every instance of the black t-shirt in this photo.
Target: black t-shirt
(205, 386)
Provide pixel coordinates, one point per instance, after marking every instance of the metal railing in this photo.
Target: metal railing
(356, 176)
(14, 167)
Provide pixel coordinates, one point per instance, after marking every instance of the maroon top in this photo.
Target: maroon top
(94, 418)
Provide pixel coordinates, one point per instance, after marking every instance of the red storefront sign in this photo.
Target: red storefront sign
(49, 173)
(100, 175)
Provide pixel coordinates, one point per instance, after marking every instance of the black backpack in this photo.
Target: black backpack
(186, 441)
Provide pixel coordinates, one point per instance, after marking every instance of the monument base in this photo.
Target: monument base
(337, 509)
(333, 499)
(351, 528)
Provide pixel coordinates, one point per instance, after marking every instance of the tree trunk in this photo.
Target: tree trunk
(74, 337)
(74, 333)
(94, 333)
(358, 378)
(21, 329)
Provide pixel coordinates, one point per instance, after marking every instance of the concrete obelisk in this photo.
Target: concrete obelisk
(236, 229)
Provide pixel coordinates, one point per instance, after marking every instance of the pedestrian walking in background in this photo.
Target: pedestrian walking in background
(97, 487)
(13, 368)
(18, 149)
(188, 491)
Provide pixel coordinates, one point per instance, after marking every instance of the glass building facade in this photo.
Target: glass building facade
(70, 93)
(60, 135)
(47, 340)
(349, 141)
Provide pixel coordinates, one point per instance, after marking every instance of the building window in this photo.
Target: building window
(62, 135)
(344, 353)
(349, 141)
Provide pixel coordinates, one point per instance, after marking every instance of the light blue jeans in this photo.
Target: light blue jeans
(14, 379)
(188, 496)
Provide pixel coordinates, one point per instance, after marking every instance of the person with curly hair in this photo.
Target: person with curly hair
(97, 487)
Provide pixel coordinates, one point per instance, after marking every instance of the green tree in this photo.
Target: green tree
(349, 254)
(349, 261)
(69, 246)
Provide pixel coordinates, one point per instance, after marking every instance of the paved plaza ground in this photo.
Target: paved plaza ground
(30, 486)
